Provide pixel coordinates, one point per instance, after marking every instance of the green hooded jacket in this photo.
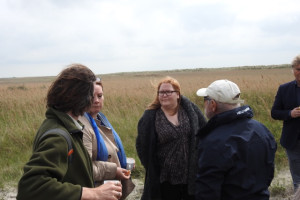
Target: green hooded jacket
(47, 174)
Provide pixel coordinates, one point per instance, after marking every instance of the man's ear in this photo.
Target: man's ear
(213, 105)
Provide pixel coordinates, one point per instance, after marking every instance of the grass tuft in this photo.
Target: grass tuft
(22, 108)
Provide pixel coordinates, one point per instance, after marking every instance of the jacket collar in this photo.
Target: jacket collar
(65, 119)
(242, 112)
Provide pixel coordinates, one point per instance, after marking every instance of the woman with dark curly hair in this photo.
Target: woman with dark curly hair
(56, 171)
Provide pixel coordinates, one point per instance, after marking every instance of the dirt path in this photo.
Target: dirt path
(8, 193)
(11, 192)
(281, 186)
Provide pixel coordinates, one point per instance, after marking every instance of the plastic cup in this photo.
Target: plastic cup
(114, 181)
(130, 163)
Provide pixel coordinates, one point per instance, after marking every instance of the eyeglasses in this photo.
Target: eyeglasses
(162, 93)
(207, 98)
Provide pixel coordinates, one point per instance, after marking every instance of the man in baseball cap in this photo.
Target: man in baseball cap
(236, 153)
(223, 91)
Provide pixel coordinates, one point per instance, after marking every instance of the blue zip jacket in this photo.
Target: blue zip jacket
(236, 158)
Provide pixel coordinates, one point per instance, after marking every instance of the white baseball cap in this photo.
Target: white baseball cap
(223, 91)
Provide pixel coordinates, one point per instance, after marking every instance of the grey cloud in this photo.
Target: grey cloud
(206, 17)
(280, 27)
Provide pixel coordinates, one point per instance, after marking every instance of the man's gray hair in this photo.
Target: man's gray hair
(296, 61)
(222, 107)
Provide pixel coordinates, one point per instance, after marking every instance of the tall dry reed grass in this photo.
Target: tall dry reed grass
(21, 112)
(22, 107)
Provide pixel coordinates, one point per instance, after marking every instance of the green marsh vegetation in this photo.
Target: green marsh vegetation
(22, 108)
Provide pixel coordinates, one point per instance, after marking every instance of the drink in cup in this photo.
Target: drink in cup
(130, 163)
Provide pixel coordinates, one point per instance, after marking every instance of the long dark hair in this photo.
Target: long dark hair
(72, 90)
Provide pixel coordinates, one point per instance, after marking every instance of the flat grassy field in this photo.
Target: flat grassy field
(22, 107)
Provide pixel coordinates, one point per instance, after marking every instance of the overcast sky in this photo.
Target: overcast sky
(41, 37)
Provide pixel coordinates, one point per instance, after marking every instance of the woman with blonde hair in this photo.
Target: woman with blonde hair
(166, 143)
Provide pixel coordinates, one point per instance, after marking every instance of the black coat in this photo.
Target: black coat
(236, 157)
(285, 101)
(146, 146)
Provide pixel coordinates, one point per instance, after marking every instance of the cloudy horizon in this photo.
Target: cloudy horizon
(40, 38)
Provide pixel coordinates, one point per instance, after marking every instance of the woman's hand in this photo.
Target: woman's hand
(122, 174)
(107, 191)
